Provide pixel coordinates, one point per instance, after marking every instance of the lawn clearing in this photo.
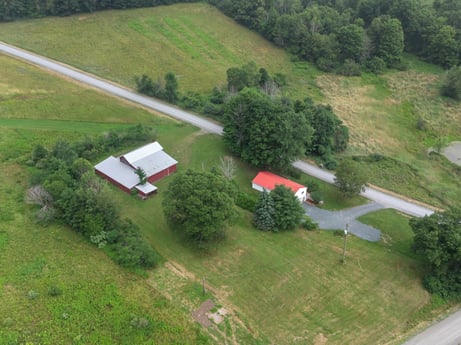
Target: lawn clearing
(290, 287)
(195, 41)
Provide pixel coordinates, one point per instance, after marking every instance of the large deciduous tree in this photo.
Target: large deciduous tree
(438, 239)
(264, 132)
(200, 205)
(387, 39)
(349, 178)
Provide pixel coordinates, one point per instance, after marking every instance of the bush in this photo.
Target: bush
(32, 294)
(317, 196)
(350, 68)
(330, 163)
(375, 65)
(452, 84)
(54, 291)
(309, 224)
(246, 201)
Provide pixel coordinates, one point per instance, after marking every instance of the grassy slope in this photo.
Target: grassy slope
(195, 41)
(382, 114)
(99, 299)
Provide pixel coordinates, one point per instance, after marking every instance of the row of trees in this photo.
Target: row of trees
(272, 132)
(372, 33)
(66, 189)
(15, 9)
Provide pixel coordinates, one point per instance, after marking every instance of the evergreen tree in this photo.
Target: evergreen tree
(263, 218)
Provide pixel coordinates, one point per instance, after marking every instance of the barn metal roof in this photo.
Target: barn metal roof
(142, 152)
(118, 171)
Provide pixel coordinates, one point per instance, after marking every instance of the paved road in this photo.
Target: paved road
(115, 90)
(110, 88)
(334, 220)
(445, 332)
(369, 193)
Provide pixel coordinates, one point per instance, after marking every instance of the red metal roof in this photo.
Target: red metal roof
(269, 181)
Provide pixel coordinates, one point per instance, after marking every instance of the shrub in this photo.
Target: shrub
(32, 294)
(54, 291)
(309, 224)
(375, 65)
(317, 196)
(350, 68)
(451, 86)
(246, 201)
(330, 163)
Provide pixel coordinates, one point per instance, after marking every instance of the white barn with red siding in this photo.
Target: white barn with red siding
(266, 180)
(151, 158)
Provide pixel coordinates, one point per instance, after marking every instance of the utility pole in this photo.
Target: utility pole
(203, 286)
(343, 260)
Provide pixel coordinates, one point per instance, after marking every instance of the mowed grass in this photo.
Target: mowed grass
(195, 41)
(291, 287)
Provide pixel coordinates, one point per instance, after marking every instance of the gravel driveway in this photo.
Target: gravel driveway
(334, 220)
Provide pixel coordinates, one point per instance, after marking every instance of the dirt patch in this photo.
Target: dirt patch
(320, 339)
(201, 314)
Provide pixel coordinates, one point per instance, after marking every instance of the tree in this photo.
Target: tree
(443, 47)
(386, 36)
(349, 178)
(171, 88)
(264, 132)
(263, 217)
(452, 84)
(288, 212)
(351, 40)
(438, 239)
(200, 205)
(141, 175)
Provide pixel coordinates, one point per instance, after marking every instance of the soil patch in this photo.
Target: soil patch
(201, 314)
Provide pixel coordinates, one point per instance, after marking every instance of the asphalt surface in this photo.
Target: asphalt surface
(445, 332)
(115, 90)
(335, 220)
(387, 200)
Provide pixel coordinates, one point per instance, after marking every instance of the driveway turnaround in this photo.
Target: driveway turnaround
(337, 220)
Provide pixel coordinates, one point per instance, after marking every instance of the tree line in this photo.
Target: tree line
(16, 9)
(346, 35)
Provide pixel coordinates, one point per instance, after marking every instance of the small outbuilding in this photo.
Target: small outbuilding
(266, 180)
(151, 158)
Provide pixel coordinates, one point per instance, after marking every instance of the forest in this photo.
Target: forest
(345, 36)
